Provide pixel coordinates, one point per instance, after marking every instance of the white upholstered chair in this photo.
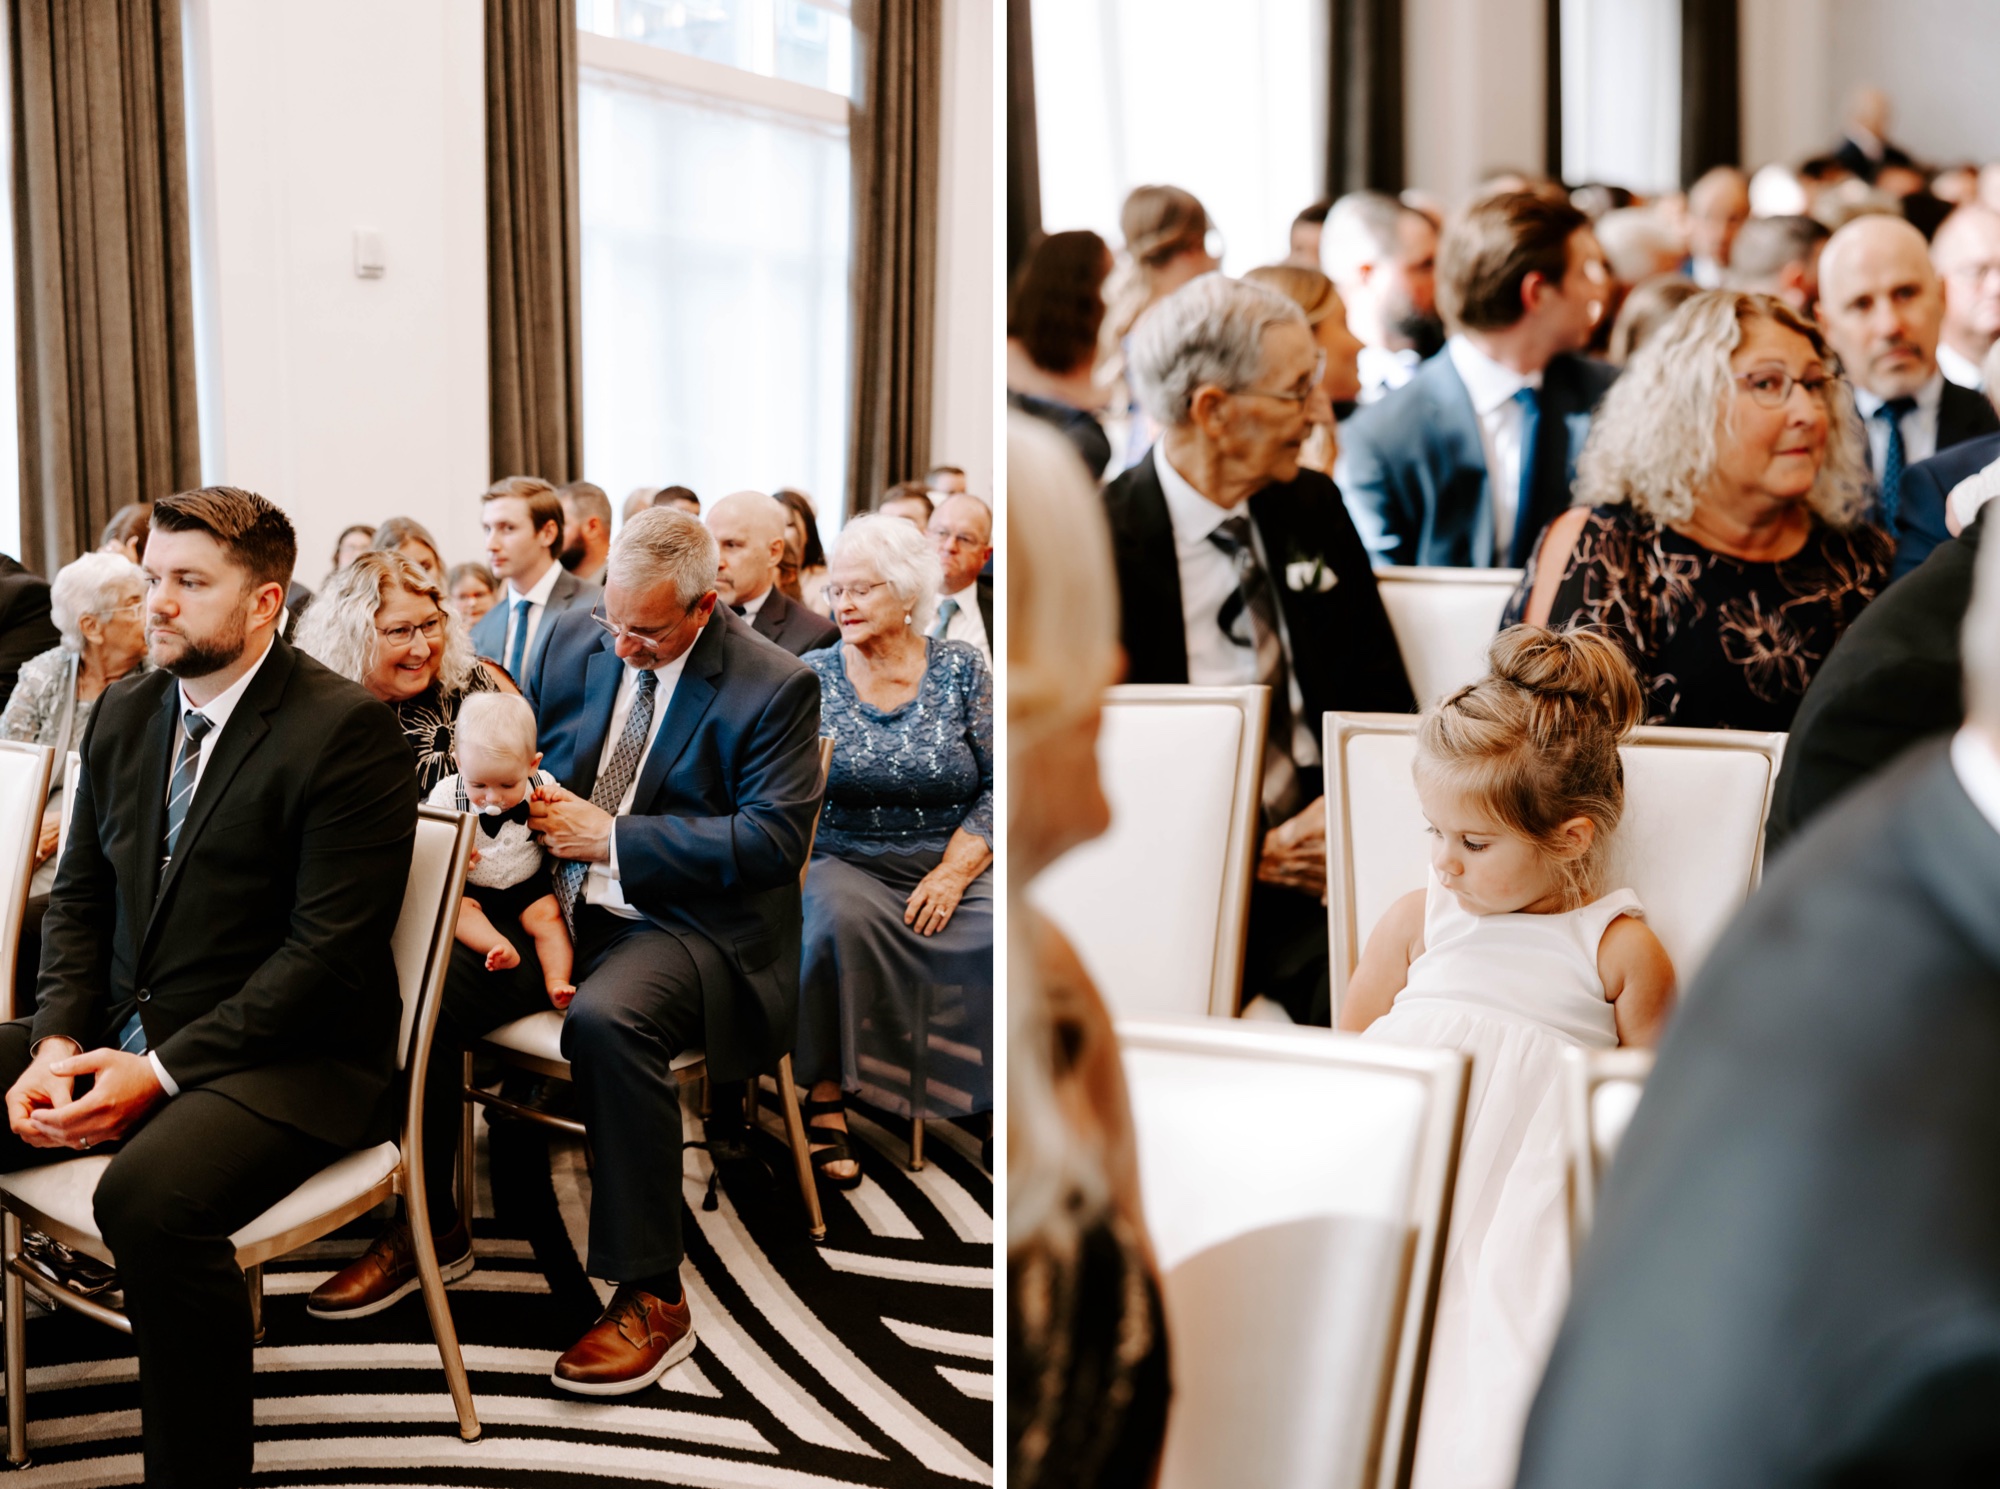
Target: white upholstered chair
(1691, 842)
(57, 1199)
(24, 791)
(1297, 1186)
(1444, 620)
(1601, 1091)
(1157, 906)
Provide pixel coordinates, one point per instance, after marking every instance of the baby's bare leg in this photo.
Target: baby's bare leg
(476, 931)
(543, 921)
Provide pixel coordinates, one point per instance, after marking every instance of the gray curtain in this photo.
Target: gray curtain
(1024, 169)
(894, 138)
(103, 289)
(533, 258)
(1364, 95)
(1711, 87)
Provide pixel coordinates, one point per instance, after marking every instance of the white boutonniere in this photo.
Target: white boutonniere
(1309, 576)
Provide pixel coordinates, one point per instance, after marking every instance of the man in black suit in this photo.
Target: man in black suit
(688, 751)
(961, 530)
(26, 629)
(1881, 305)
(1466, 463)
(1891, 680)
(750, 530)
(1864, 148)
(1236, 566)
(215, 959)
(1793, 1273)
(523, 518)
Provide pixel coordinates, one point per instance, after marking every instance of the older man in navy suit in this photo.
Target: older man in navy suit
(688, 751)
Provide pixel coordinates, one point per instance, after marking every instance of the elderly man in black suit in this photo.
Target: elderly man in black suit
(216, 959)
(1236, 565)
(688, 751)
(1794, 1275)
(750, 530)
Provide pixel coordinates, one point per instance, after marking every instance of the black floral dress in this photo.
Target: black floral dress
(1719, 642)
(429, 720)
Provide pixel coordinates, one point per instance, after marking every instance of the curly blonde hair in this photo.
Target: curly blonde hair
(339, 628)
(1656, 439)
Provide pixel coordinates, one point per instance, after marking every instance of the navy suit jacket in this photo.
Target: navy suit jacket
(721, 818)
(1413, 469)
(489, 637)
(1920, 505)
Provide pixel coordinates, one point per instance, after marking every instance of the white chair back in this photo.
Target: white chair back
(1601, 1092)
(429, 922)
(1691, 842)
(1297, 1185)
(72, 773)
(1444, 620)
(1156, 907)
(24, 789)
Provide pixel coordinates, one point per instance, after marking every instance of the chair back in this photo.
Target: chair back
(72, 773)
(1157, 906)
(1444, 620)
(1691, 842)
(1601, 1091)
(819, 811)
(429, 922)
(1297, 1185)
(24, 791)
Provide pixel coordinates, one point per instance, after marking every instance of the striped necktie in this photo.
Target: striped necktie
(1255, 603)
(1894, 457)
(612, 784)
(180, 795)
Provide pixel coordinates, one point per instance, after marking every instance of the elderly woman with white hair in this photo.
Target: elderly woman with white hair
(898, 901)
(384, 623)
(1719, 533)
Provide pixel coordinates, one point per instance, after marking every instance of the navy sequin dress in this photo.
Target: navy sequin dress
(906, 1020)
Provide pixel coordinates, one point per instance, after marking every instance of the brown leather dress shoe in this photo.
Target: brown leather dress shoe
(637, 1340)
(387, 1271)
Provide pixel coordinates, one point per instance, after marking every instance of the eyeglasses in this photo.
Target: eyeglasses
(1299, 396)
(1772, 386)
(855, 592)
(651, 643)
(955, 541)
(430, 630)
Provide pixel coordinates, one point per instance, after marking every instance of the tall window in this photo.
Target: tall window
(714, 185)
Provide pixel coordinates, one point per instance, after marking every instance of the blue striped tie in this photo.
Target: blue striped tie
(611, 787)
(180, 795)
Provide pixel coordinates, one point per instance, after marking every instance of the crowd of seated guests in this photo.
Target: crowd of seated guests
(1743, 433)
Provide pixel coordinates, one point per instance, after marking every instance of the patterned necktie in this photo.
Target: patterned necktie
(1506, 546)
(180, 795)
(1250, 619)
(946, 610)
(612, 784)
(1891, 413)
(520, 643)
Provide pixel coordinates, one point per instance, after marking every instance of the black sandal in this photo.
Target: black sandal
(827, 1145)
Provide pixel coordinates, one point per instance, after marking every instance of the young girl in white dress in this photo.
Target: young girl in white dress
(1514, 953)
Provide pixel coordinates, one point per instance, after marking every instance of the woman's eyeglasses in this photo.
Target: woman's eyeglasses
(431, 630)
(1772, 386)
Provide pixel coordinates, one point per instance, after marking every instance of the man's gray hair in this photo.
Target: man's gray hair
(1980, 644)
(664, 545)
(898, 555)
(1210, 331)
(96, 584)
(1363, 228)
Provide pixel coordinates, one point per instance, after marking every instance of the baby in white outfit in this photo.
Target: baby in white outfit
(509, 881)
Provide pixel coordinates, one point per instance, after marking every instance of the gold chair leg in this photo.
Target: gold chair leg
(916, 1143)
(795, 1134)
(467, 1181)
(431, 1282)
(14, 1298)
(253, 1278)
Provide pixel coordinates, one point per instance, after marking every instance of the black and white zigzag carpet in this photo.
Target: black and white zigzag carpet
(867, 1360)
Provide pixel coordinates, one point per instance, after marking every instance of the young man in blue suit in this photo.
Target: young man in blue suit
(523, 518)
(1466, 463)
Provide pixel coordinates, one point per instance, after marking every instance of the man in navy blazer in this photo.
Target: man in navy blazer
(1465, 464)
(1921, 519)
(687, 748)
(523, 518)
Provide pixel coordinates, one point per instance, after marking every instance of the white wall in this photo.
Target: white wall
(1473, 91)
(344, 399)
(964, 390)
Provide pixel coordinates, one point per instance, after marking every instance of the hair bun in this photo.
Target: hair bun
(1583, 666)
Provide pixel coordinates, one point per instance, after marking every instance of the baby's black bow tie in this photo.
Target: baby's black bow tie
(490, 823)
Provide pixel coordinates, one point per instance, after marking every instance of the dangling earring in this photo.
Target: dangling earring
(909, 619)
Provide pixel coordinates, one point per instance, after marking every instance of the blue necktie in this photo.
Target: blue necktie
(519, 646)
(611, 787)
(180, 796)
(946, 610)
(1507, 550)
(1891, 492)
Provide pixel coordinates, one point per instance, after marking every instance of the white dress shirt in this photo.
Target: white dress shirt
(967, 624)
(217, 711)
(538, 600)
(1492, 387)
(601, 886)
(1208, 579)
(1706, 273)
(1959, 368)
(1919, 425)
(751, 607)
(1977, 767)
(1382, 371)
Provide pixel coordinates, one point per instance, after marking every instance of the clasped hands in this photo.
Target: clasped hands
(569, 826)
(1294, 853)
(43, 1114)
